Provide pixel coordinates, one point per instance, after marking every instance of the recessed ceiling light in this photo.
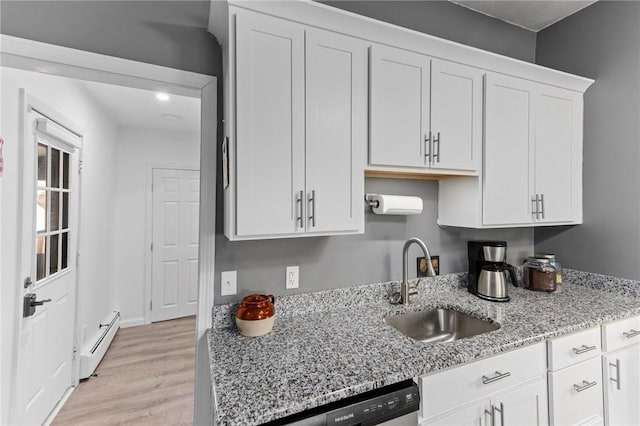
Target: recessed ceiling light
(170, 117)
(162, 96)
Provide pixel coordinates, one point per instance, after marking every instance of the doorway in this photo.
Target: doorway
(132, 74)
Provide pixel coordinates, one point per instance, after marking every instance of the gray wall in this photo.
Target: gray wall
(332, 262)
(449, 21)
(168, 33)
(602, 42)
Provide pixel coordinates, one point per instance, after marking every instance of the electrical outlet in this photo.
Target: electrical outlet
(421, 265)
(291, 280)
(228, 280)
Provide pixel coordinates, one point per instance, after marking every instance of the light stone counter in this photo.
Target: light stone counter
(329, 345)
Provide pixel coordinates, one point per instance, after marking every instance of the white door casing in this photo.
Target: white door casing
(175, 243)
(49, 245)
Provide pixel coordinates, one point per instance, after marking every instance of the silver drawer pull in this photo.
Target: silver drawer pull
(631, 333)
(584, 386)
(498, 376)
(584, 348)
(617, 379)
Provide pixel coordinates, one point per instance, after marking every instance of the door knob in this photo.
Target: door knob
(30, 303)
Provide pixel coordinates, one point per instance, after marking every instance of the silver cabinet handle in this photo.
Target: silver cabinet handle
(631, 333)
(584, 348)
(492, 414)
(501, 411)
(498, 376)
(584, 386)
(312, 201)
(427, 147)
(617, 379)
(542, 204)
(534, 210)
(299, 198)
(436, 152)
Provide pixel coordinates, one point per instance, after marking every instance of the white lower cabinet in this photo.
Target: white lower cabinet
(507, 389)
(622, 373)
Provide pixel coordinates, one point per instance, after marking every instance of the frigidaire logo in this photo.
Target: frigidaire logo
(343, 418)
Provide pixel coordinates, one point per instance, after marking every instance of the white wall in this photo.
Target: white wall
(96, 291)
(138, 151)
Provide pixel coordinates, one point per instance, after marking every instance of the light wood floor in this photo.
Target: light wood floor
(145, 378)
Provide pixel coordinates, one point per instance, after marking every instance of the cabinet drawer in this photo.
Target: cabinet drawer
(622, 333)
(448, 389)
(567, 350)
(575, 393)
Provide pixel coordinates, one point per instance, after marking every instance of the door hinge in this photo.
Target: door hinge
(80, 167)
(150, 305)
(75, 351)
(77, 259)
(151, 246)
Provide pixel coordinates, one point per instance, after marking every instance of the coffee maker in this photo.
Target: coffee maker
(488, 270)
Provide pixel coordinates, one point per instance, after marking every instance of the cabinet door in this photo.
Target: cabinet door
(558, 154)
(476, 414)
(508, 182)
(622, 387)
(336, 100)
(399, 102)
(270, 124)
(456, 116)
(575, 393)
(523, 406)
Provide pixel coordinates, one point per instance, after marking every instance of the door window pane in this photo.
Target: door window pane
(42, 165)
(65, 210)
(41, 257)
(65, 170)
(64, 250)
(53, 254)
(55, 168)
(41, 210)
(55, 211)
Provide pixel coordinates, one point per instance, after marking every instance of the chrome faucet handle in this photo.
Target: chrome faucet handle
(395, 298)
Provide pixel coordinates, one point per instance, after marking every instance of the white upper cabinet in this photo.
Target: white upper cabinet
(399, 102)
(425, 113)
(456, 116)
(532, 164)
(300, 131)
(336, 132)
(270, 124)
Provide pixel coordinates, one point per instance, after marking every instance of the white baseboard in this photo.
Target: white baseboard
(133, 322)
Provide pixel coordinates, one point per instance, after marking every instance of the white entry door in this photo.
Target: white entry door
(176, 195)
(50, 216)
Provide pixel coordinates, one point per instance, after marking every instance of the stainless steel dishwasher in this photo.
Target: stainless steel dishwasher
(395, 404)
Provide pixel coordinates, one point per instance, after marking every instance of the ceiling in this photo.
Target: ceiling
(533, 15)
(140, 109)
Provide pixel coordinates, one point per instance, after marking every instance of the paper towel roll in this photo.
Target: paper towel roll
(394, 204)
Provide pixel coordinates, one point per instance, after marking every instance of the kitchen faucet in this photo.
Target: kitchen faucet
(404, 286)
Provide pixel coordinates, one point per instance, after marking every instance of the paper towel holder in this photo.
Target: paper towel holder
(370, 202)
(394, 204)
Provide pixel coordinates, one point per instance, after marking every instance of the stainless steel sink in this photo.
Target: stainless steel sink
(439, 325)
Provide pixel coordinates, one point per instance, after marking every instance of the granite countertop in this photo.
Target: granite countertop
(330, 345)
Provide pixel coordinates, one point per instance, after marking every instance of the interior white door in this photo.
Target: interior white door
(622, 387)
(557, 146)
(508, 180)
(270, 124)
(456, 116)
(50, 224)
(336, 101)
(399, 103)
(174, 277)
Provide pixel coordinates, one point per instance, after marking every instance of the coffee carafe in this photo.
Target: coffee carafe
(488, 270)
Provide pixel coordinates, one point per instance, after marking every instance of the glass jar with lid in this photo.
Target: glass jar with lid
(556, 264)
(539, 274)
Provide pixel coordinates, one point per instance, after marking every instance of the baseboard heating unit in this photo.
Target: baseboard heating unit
(92, 355)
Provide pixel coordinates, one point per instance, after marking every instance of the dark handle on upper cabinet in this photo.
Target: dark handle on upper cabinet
(299, 208)
(535, 210)
(436, 152)
(427, 147)
(542, 204)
